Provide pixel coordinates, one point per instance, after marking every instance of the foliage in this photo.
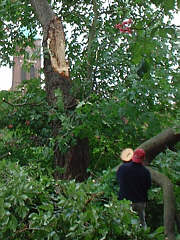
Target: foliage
(17, 30)
(115, 57)
(126, 84)
(130, 95)
(34, 206)
(25, 131)
(167, 163)
(109, 125)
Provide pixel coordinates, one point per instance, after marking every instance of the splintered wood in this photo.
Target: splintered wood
(56, 47)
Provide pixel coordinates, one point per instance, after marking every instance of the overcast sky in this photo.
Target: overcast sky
(6, 72)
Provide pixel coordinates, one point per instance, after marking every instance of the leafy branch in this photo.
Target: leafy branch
(21, 104)
(5, 154)
(26, 228)
(91, 198)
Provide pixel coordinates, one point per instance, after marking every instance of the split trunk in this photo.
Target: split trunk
(56, 70)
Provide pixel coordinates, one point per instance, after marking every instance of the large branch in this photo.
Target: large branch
(159, 143)
(169, 202)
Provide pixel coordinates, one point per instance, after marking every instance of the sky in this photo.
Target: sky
(5, 78)
(6, 72)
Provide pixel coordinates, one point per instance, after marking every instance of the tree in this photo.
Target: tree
(120, 69)
(87, 59)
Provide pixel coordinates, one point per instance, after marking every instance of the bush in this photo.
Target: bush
(34, 206)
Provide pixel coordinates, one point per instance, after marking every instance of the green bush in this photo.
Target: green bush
(34, 206)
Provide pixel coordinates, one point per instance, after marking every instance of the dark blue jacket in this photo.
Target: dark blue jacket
(134, 181)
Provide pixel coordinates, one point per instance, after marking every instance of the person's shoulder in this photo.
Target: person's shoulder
(142, 167)
(146, 170)
(122, 166)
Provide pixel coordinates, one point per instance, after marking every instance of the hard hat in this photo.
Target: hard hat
(126, 154)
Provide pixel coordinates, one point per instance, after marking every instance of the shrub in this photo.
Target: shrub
(34, 206)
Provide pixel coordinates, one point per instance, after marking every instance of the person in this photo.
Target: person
(134, 182)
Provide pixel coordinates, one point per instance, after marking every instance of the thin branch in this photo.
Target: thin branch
(26, 228)
(93, 196)
(22, 104)
(5, 154)
(92, 36)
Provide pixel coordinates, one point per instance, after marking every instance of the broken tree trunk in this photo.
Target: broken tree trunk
(56, 70)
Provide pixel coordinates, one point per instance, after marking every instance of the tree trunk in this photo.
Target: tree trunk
(75, 161)
(56, 70)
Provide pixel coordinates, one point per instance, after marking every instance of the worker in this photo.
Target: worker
(134, 182)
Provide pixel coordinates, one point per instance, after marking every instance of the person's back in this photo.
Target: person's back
(134, 182)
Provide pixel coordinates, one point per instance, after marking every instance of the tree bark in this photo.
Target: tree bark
(75, 161)
(56, 70)
(177, 218)
(169, 202)
(166, 139)
(90, 53)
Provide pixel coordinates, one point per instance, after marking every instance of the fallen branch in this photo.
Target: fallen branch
(169, 202)
(166, 139)
(93, 196)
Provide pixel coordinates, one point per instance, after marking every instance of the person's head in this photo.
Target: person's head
(138, 155)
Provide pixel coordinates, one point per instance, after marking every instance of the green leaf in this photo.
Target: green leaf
(13, 223)
(5, 220)
(168, 5)
(2, 210)
(178, 3)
